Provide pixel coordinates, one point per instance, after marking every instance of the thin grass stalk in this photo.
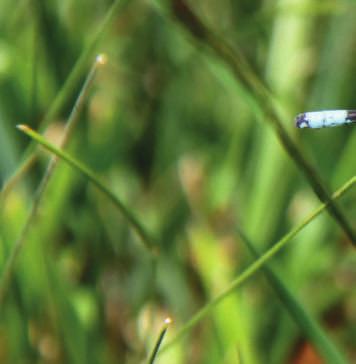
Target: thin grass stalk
(72, 121)
(34, 75)
(65, 92)
(160, 338)
(256, 265)
(307, 324)
(245, 75)
(147, 240)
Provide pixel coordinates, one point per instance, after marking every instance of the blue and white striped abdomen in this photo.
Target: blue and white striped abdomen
(326, 118)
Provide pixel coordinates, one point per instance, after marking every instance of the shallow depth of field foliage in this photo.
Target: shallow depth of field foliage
(190, 127)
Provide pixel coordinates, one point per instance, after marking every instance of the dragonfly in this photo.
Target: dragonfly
(325, 118)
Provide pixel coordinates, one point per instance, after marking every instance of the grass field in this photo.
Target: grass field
(157, 173)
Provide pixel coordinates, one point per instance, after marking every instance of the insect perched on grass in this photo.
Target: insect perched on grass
(325, 119)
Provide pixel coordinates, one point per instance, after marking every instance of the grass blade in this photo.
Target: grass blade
(65, 92)
(260, 92)
(72, 120)
(258, 264)
(308, 325)
(154, 353)
(134, 222)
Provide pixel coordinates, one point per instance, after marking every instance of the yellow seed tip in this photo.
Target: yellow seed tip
(22, 127)
(101, 58)
(168, 320)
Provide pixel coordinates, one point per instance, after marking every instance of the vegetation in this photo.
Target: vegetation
(158, 203)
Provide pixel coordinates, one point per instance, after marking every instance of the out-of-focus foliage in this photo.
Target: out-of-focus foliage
(181, 142)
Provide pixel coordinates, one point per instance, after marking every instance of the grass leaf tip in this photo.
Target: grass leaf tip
(23, 127)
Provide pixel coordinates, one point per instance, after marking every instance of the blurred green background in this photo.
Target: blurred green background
(186, 147)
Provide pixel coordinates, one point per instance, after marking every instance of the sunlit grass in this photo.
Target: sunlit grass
(183, 166)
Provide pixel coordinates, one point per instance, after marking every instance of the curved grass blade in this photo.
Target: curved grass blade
(308, 325)
(65, 92)
(129, 216)
(256, 265)
(72, 121)
(259, 91)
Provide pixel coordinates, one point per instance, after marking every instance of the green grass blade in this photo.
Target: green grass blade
(308, 325)
(66, 91)
(72, 121)
(260, 92)
(160, 338)
(134, 222)
(258, 264)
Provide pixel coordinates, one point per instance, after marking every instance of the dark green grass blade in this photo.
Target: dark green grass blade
(259, 91)
(254, 267)
(71, 123)
(66, 91)
(308, 325)
(126, 212)
(159, 341)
